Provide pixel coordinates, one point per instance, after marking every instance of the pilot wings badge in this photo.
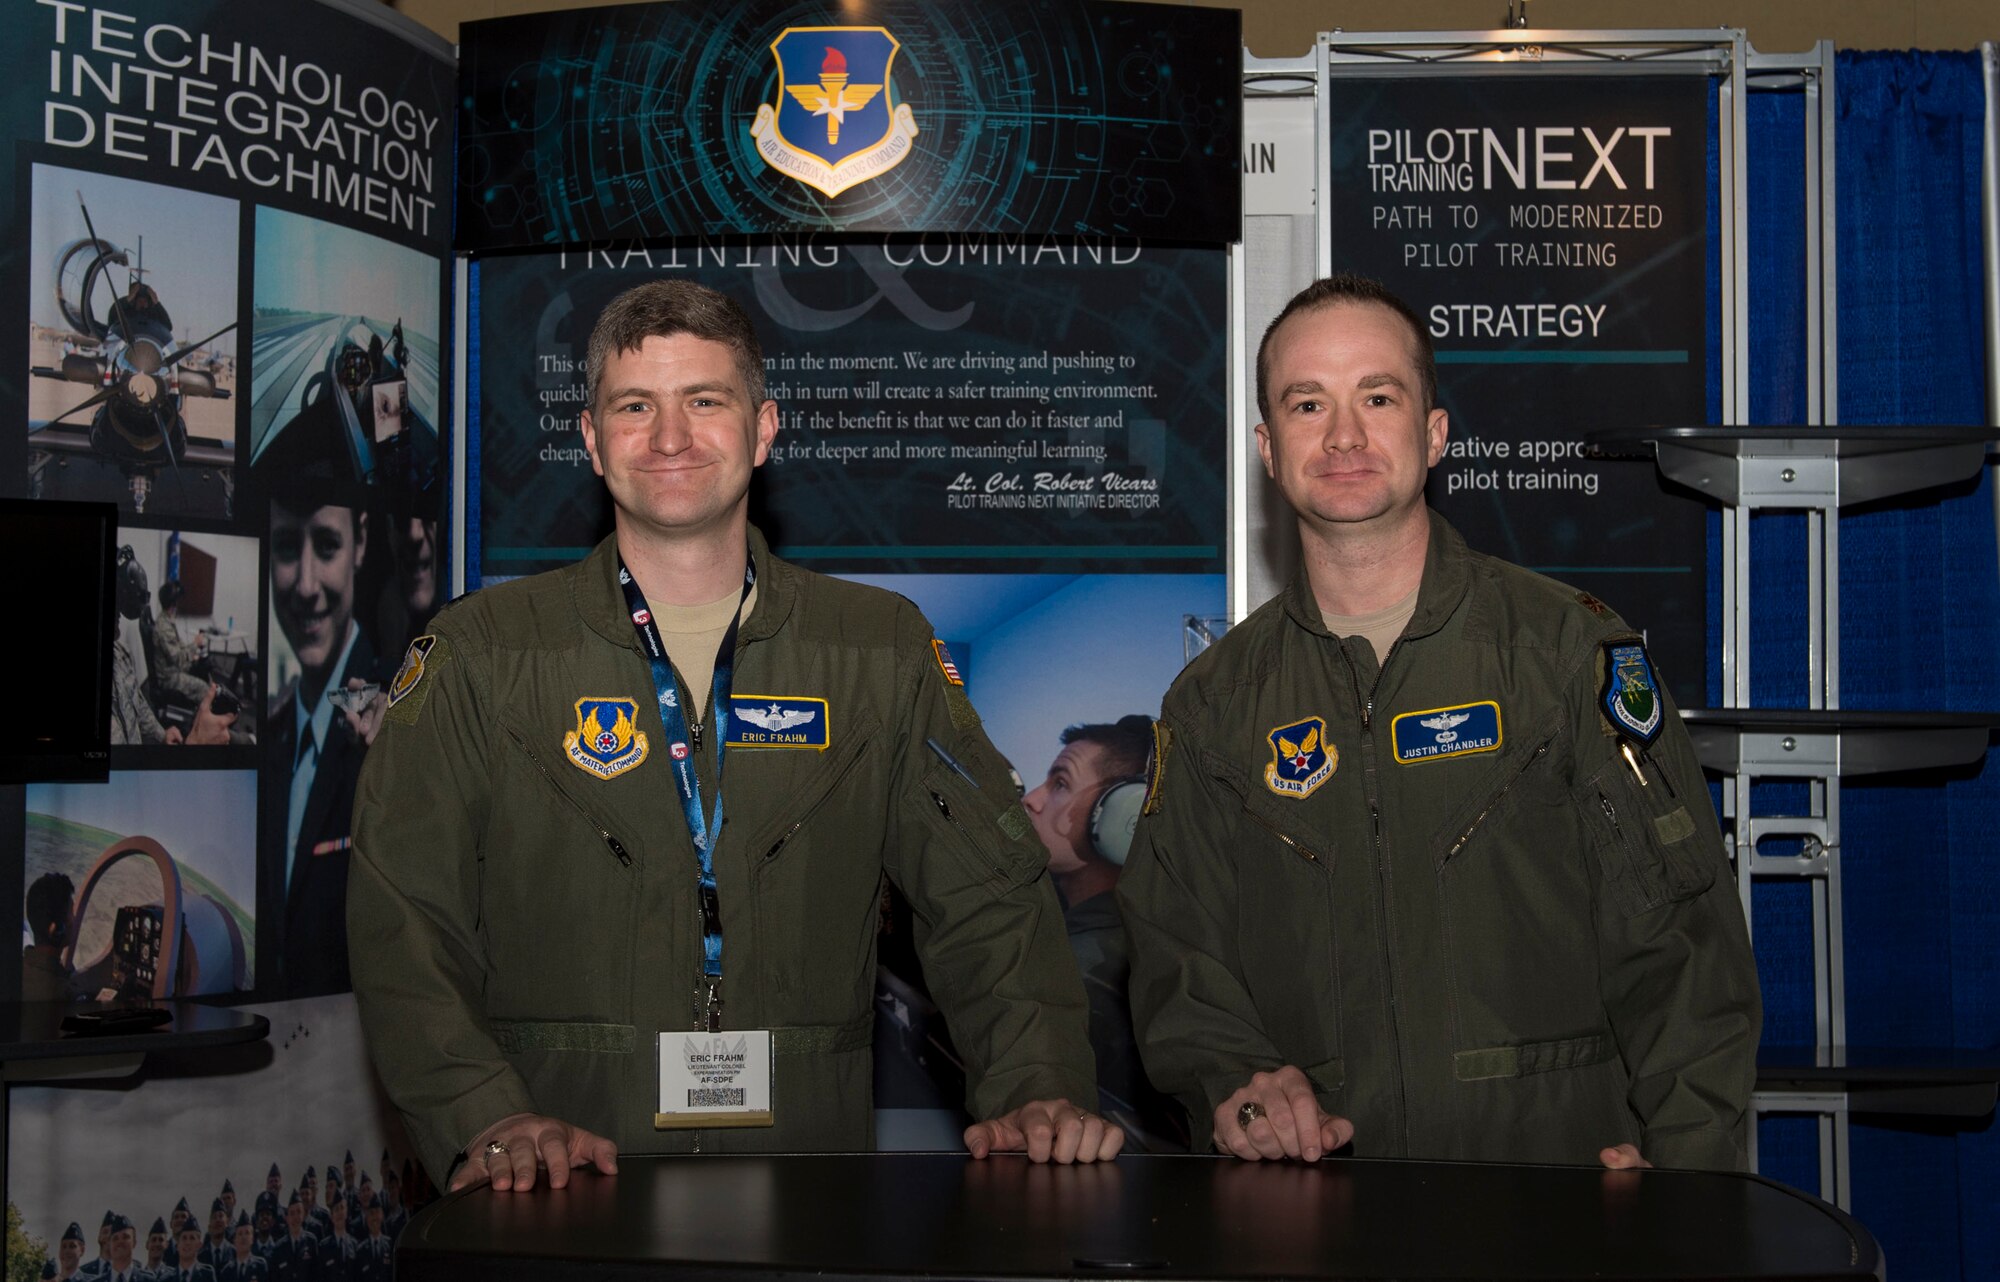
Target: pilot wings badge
(775, 717)
(605, 743)
(1301, 758)
(835, 122)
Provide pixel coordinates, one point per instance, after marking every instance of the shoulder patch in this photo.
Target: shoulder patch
(945, 665)
(1163, 744)
(1592, 604)
(1630, 699)
(411, 686)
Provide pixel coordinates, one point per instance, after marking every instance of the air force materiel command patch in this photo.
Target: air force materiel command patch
(835, 122)
(776, 721)
(605, 742)
(945, 665)
(1436, 733)
(408, 689)
(1631, 700)
(1301, 758)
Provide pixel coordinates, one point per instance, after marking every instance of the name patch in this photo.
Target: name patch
(777, 721)
(1436, 733)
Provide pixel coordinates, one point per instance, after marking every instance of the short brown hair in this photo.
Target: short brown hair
(664, 308)
(1347, 287)
(1127, 744)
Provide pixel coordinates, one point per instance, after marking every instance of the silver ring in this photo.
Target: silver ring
(1249, 1113)
(494, 1148)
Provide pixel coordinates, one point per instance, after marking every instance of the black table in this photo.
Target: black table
(33, 1047)
(936, 1215)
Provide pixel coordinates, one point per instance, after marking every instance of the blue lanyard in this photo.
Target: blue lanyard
(703, 828)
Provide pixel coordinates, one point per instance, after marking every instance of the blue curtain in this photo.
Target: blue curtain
(1920, 618)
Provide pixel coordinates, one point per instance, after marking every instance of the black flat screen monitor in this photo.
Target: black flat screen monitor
(57, 578)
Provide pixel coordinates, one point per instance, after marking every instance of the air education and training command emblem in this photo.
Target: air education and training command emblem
(1301, 758)
(1631, 700)
(835, 122)
(605, 743)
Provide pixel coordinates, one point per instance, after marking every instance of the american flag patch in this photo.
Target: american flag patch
(945, 665)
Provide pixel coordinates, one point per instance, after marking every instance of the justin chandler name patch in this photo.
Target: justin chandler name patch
(1437, 733)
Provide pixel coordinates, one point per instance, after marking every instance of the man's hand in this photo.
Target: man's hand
(1292, 1125)
(1049, 1129)
(532, 1140)
(1623, 1157)
(367, 723)
(210, 727)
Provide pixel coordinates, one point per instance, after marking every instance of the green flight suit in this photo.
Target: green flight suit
(506, 958)
(1509, 951)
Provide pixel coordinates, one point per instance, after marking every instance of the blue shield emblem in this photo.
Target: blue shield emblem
(835, 121)
(1631, 699)
(1301, 758)
(605, 743)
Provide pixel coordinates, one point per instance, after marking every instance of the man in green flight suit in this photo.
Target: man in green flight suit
(547, 923)
(1427, 862)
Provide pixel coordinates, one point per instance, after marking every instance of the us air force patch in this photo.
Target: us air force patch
(776, 721)
(1631, 700)
(1301, 758)
(1436, 733)
(408, 689)
(605, 742)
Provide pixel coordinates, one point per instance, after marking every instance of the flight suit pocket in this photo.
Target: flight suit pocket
(570, 804)
(1284, 873)
(990, 834)
(1515, 762)
(1648, 842)
(811, 793)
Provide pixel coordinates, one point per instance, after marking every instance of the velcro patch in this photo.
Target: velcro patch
(1014, 822)
(777, 721)
(1437, 733)
(963, 715)
(411, 686)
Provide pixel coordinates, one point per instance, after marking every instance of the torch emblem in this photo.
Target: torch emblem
(836, 120)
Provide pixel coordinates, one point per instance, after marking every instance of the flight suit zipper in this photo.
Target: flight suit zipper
(1296, 845)
(611, 843)
(1366, 706)
(1495, 800)
(816, 796)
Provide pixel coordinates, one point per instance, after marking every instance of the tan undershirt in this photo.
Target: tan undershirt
(692, 635)
(1380, 628)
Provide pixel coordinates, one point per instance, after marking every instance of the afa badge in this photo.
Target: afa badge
(1301, 758)
(605, 743)
(835, 122)
(1631, 700)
